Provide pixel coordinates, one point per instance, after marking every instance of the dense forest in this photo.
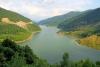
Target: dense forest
(13, 55)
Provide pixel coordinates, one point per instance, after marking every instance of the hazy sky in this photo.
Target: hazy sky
(41, 9)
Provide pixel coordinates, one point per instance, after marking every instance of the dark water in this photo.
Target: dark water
(51, 46)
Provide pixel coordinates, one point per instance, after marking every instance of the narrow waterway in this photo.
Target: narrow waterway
(50, 46)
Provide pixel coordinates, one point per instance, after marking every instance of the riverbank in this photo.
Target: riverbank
(92, 41)
(19, 38)
(30, 37)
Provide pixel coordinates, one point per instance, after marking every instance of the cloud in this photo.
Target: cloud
(48, 1)
(40, 9)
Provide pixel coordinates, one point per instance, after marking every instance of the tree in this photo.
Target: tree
(8, 53)
(88, 63)
(28, 55)
(9, 43)
(98, 63)
(65, 62)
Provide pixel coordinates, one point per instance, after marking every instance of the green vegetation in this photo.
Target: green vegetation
(15, 26)
(13, 16)
(88, 20)
(13, 32)
(84, 26)
(16, 33)
(13, 55)
(55, 21)
(33, 27)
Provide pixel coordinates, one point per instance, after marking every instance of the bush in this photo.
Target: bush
(8, 53)
(28, 55)
(9, 43)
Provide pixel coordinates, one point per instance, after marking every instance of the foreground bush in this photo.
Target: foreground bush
(13, 55)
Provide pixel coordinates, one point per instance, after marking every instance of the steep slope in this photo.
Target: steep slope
(85, 26)
(13, 16)
(15, 26)
(88, 18)
(55, 21)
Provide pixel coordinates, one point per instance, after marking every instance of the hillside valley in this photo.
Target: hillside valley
(49, 33)
(82, 25)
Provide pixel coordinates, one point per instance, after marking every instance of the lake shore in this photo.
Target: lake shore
(30, 37)
(49, 45)
(74, 38)
(92, 41)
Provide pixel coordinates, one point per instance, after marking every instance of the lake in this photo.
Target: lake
(51, 46)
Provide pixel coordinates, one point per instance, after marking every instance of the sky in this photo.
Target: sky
(41, 9)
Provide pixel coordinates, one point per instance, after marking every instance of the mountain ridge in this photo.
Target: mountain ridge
(85, 27)
(56, 20)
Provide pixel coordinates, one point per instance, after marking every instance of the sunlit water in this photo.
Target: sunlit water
(50, 46)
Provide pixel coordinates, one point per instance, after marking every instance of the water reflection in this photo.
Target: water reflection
(92, 46)
(85, 42)
(61, 34)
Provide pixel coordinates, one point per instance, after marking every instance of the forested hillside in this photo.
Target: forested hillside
(13, 16)
(84, 26)
(55, 21)
(15, 26)
(90, 18)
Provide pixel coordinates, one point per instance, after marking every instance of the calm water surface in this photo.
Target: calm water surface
(50, 46)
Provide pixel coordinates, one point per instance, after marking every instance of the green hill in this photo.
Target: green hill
(15, 26)
(88, 21)
(13, 16)
(55, 21)
(85, 26)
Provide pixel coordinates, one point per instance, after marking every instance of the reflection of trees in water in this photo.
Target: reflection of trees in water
(93, 46)
(61, 34)
(92, 41)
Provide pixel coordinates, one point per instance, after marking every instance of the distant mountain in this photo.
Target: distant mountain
(85, 26)
(55, 21)
(15, 26)
(88, 20)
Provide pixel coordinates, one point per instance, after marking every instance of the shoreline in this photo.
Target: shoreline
(30, 37)
(77, 40)
(74, 38)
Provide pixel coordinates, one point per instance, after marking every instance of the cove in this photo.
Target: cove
(51, 46)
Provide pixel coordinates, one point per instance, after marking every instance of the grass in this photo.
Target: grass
(13, 16)
(15, 37)
(12, 31)
(16, 33)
